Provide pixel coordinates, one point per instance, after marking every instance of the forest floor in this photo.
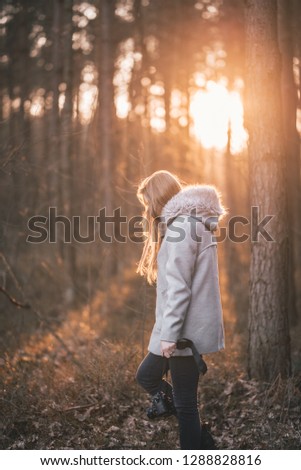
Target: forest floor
(82, 394)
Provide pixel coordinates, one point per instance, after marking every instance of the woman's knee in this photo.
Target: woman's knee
(149, 373)
(140, 376)
(144, 372)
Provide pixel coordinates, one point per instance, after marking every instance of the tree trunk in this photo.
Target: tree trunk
(106, 124)
(138, 94)
(269, 343)
(289, 103)
(296, 6)
(106, 96)
(54, 124)
(66, 180)
(55, 183)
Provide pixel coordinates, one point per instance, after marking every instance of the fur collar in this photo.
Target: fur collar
(199, 199)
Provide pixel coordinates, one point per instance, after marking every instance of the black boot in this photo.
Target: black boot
(207, 441)
(162, 406)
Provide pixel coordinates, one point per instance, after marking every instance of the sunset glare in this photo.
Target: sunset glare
(212, 111)
(213, 108)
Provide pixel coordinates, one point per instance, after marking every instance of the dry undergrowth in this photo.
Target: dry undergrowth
(50, 399)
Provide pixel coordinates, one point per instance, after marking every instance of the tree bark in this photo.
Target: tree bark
(66, 136)
(106, 96)
(106, 125)
(54, 124)
(54, 166)
(289, 103)
(269, 342)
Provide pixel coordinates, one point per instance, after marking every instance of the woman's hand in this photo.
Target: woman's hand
(168, 348)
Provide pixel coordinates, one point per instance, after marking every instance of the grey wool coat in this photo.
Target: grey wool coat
(188, 302)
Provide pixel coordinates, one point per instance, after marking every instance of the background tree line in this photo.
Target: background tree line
(96, 95)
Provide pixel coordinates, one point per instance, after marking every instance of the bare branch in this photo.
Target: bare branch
(41, 317)
(14, 301)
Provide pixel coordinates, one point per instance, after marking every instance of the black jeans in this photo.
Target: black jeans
(185, 377)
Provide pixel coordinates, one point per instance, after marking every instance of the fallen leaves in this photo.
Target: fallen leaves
(47, 402)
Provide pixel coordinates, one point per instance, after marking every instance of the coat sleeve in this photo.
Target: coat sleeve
(181, 257)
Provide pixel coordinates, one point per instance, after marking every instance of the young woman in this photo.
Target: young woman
(180, 255)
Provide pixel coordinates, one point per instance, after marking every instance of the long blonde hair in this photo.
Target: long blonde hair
(153, 193)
